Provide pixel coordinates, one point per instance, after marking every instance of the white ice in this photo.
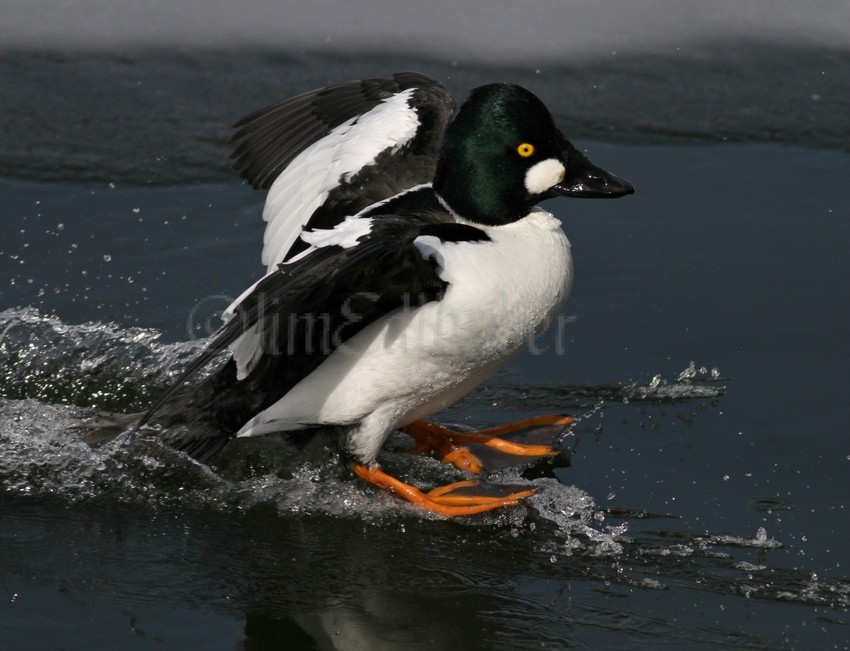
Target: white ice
(531, 32)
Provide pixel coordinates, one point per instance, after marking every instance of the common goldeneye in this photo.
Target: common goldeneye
(406, 263)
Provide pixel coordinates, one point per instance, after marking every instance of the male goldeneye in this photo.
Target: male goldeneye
(406, 263)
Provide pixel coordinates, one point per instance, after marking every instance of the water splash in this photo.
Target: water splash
(94, 365)
(693, 383)
(103, 366)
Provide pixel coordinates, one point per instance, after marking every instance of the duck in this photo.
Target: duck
(406, 261)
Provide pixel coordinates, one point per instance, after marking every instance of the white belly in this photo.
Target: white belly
(500, 295)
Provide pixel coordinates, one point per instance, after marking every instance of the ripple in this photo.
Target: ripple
(771, 504)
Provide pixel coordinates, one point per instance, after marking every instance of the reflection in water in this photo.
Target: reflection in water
(393, 580)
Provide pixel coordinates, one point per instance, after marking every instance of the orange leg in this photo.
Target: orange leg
(448, 444)
(440, 500)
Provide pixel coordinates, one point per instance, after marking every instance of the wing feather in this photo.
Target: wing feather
(317, 153)
(287, 127)
(342, 289)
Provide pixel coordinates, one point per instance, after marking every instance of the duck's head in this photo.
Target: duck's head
(502, 154)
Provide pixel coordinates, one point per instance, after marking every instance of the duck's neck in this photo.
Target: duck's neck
(466, 192)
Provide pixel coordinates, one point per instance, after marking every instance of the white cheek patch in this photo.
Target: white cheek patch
(543, 175)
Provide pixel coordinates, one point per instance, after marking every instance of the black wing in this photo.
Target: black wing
(269, 139)
(389, 144)
(301, 313)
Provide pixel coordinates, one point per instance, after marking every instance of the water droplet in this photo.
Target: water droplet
(687, 373)
(107, 257)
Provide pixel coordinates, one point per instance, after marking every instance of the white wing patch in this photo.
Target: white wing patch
(345, 234)
(246, 349)
(305, 184)
(246, 352)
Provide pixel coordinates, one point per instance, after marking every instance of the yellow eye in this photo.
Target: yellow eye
(525, 150)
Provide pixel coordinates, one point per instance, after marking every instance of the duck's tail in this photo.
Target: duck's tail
(198, 419)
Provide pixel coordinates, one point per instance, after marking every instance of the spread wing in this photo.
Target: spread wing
(332, 152)
(297, 315)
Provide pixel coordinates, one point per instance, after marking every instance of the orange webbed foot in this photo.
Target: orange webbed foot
(454, 447)
(444, 500)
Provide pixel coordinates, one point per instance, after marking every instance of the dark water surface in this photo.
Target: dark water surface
(704, 351)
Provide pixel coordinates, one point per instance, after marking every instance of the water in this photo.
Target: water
(701, 500)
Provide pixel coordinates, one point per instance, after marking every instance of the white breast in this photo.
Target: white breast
(500, 294)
